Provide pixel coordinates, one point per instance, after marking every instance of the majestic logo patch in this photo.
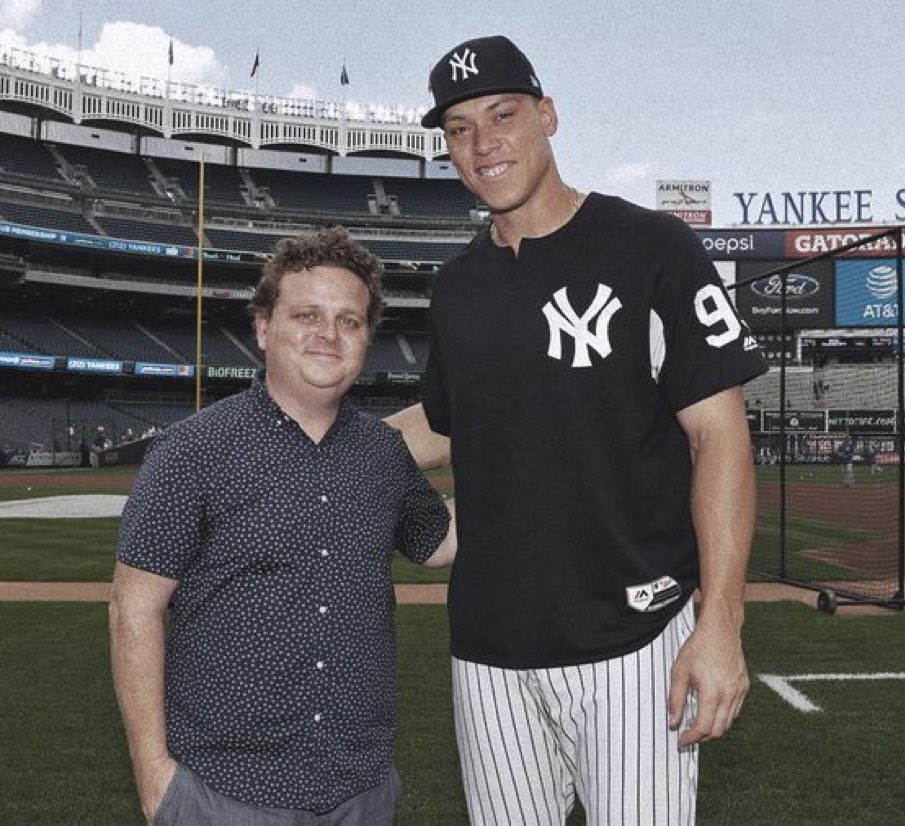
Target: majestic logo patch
(463, 65)
(563, 320)
(652, 596)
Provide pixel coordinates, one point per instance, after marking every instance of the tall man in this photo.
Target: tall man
(266, 523)
(586, 363)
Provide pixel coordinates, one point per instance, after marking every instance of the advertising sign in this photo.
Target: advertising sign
(80, 365)
(103, 243)
(808, 295)
(866, 293)
(26, 361)
(688, 200)
(242, 373)
(813, 421)
(807, 243)
(733, 244)
(179, 371)
(862, 421)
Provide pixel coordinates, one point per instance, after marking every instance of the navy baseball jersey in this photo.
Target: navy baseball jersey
(558, 374)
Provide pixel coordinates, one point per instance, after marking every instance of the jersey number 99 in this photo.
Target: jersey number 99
(713, 309)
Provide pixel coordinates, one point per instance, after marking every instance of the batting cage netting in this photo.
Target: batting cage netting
(827, 421)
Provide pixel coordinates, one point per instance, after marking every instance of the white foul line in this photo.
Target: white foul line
(795, 698)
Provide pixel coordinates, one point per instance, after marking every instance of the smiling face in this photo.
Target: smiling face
(315, 340)
(500, 146)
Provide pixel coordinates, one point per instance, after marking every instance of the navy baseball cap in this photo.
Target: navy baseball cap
(484, 66)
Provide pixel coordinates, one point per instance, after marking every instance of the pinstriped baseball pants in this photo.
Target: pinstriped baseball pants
(530, 740)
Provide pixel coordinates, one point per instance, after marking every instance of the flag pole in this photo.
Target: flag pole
(200, 285)
(343, 124)
(77, 97)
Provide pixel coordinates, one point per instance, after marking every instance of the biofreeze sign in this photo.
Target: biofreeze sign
(834, 206)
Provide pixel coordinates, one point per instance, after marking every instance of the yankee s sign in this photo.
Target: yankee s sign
(834, 206)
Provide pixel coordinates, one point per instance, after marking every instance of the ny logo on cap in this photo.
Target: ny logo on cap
(463, 64)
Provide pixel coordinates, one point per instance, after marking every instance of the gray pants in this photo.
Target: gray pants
(189, 802)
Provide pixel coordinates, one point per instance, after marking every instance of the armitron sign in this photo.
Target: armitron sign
(688, 200)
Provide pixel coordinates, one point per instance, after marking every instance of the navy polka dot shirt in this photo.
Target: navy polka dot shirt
(280, 651)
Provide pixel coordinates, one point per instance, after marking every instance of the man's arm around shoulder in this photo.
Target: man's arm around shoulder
(430, 449)
(138, 607)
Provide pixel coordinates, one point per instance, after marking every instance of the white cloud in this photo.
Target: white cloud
(18, 14)
(136, 50)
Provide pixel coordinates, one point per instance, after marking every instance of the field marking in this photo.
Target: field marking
(781, 684)
(71, 506)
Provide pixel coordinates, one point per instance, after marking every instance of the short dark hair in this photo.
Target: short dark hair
(332, 246)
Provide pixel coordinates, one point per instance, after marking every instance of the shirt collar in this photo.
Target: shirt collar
(266, 405)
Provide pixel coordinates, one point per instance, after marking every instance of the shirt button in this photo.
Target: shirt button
(322, 609)
(319, 665)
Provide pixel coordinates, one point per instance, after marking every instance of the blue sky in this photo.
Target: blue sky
(753, 95)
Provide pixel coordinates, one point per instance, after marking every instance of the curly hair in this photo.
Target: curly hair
(332, 246)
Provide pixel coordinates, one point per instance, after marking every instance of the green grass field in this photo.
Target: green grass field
(82, 550)
(63, 758)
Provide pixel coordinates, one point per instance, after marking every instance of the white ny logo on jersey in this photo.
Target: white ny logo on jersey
(563, 319)
(459, 64)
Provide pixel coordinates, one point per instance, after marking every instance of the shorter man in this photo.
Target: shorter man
(266, 523)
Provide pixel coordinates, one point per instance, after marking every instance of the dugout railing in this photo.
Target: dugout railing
(827, 429)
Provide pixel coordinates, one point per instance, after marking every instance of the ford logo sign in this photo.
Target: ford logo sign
(797, 286)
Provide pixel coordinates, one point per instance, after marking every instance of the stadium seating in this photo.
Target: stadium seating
(112, 171)
(47, 217)
(221, 183)
(312, 193)
(48, 336)
(859, 386)
(230, 239)
(119, 338)
(92, 191)
(43, 422)
(26, 158)
(385, 355)
(156, 413)
(218, 345)
(11, 344)
(132, 230)
(421, 251)
(430, 198)
(420, 345)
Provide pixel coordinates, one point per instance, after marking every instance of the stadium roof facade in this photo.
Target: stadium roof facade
(86, 94)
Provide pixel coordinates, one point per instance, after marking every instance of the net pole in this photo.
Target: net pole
(782, 426)
(200, 286)
(900, 409)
